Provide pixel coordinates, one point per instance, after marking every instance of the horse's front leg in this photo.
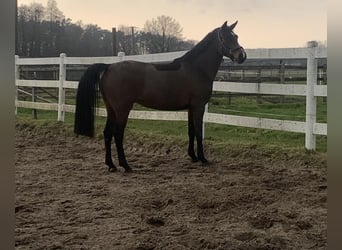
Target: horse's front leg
(198, 123)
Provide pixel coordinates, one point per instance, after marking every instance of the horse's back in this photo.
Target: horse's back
(138, 75)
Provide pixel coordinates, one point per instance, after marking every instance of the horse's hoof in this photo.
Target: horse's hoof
(205, 162)
(112, 169)
(128, 170)
(194, 160)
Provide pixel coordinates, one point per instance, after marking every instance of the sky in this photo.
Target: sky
(261, 23)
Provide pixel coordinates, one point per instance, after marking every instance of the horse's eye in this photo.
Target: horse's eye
(234, 35)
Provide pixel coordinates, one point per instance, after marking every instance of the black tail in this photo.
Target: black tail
(86, 99)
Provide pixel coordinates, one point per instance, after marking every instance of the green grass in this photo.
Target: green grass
(215, 134)
(292, 108)
(274, 107)
(224, 134)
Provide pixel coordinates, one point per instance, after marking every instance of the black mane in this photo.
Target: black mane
(190, 55)
(202, 45)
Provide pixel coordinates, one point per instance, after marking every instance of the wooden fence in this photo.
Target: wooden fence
(311, 90)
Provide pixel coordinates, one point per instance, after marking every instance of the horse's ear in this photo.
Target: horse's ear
(233, 25)
(224, 25)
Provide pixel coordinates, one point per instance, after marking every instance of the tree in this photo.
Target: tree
(126, 39)
(44, 31)
(53, 14)
(22, 35)
(314, 43)
(55, 19)
(37, 12)
(95, 42)
(166, 30)
(29, 30)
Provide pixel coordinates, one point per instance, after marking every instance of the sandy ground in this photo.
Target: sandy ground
(66, 199)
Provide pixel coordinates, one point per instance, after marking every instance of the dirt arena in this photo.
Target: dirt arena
(66, 199)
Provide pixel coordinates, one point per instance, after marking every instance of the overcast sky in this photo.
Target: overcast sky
(262, 23)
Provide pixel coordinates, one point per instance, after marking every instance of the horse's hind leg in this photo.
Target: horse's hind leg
(191, 133)
(120, 125)
(108, 135)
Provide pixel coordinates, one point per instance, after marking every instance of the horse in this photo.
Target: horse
(183, 84)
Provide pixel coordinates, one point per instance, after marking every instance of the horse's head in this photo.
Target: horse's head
(229, 45)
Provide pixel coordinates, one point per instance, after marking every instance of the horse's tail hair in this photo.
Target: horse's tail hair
(87, 98)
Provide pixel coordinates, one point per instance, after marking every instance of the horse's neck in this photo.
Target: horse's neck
(208, 62)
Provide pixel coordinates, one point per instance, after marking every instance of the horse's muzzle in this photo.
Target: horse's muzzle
(240, 55)
(237, 55)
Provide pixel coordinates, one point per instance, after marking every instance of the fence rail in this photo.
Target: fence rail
(311, 90)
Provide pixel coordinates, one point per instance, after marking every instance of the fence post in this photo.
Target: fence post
(34, 111)
(325, 80)
(121, 55)
(16, 77)
(61, 91)
(311, 100)
(282, 78)
(259, 96)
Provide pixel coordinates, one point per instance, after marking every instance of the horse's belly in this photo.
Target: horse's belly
(164, 103)
(164, 91)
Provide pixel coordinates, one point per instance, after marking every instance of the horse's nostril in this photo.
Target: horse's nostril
(242, 57)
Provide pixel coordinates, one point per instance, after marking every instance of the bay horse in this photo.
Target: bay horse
(183, 84)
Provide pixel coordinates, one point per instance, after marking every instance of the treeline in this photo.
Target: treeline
(44, 31)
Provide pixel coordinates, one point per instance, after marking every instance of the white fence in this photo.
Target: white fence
(311, 90)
